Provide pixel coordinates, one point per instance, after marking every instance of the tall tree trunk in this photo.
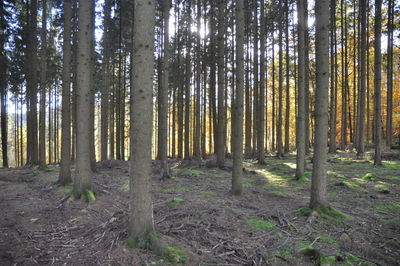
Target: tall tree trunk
(83, 173)
(318, 184)
(3, 88)
(301, 113)
(43, 77)
(343, 129)
(188, 75)
(261, 96)
(238, 105)
(31, 86)
(255, 78)
(377, 82)
(307, 77)
(287, 110)
(140, 223)
(221, 86)
(280, 85)
(65, 171)
(332, 104)
(197, 142)
(105, 89)
(361, 113)
(389, 97)
(163, 101)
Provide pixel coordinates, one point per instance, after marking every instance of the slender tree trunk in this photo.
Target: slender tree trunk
(301, 113)
(307, 77)
(83, 173)
(332, 104)
(255, 78)
(389, 97)
(377, 83)
(238, 105)
(287, 110)
(361, 133)
(163, 101)
(3, 88)
(261, 96)
(140, 223)
(65, 171)
(280, 85)
(197, 140)
(105, 89)
(221, 86)
(318, 184)
(188, 74)
(43, 77)
(31, 86)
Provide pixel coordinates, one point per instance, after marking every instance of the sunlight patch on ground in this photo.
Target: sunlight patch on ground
(272, 179)
(291, 165)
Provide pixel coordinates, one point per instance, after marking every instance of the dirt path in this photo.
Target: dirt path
(40, 225)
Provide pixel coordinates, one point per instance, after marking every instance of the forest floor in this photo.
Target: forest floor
(41, 225)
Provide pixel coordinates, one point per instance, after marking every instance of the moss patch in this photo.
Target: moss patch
(174, 256)
(175, 202)
(260, 224)
(326, 239)
(207, 193)
(88, 195)
(326, 212)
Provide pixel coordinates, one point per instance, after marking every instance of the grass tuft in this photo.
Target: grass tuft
(174, 256)
(175, 202)
(88, 195)
(260, 224)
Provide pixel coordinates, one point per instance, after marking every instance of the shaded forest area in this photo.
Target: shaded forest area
(180, 132)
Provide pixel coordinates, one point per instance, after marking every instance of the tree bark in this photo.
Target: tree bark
(318, 184)
(332, 104)
(65, 171)
(105, 89)
(280, 86)
(3, 88)
(377, 83)
(140, 203)
(238, 106)
(83, 173)
(301, 113)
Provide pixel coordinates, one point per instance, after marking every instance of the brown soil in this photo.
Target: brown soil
(41, 225)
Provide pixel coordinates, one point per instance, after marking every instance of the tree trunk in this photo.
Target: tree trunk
(83, 173)
(287, 110)
(361, 112)
(31, 86)
(43, 76)
(389, 98)
(221, 86)
(197, 142)
(163, 100)
(280, 85)
(261, 96)
(188, 74)
(65, 171)
(377, 83)
(140, 223)
(3, 88)
(318, 184)
(105, 89)
(332, 104)
(237, 138)
(301, 113)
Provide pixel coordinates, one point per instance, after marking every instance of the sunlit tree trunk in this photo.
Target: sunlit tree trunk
(333, 85)
(389, 97)
(377, 83)
(83, 172)
(140, 203)
(237, 138)
(261, 96)
(280, 85)
(65, 171)
(287, 57)
(318, 184)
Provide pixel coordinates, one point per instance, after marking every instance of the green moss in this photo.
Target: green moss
(327, 239)
(369, 177)
(330, 260)
(132, 242)
(175, 202)
(350, 257)
(260, 224)
(88, 195)
(382, 187)
(351, 185)
(388, 207)
(247, 185)
(302, 180)
(207, 193)
(326, 212)
(280, 193)
(233, 228)
(174, 256)
(305, 211)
